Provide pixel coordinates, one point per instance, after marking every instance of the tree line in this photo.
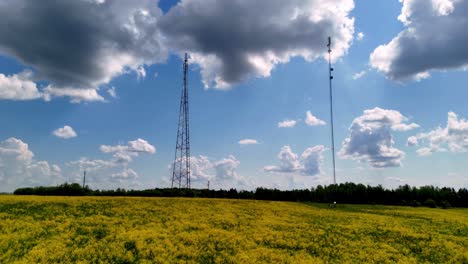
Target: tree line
(349, 193)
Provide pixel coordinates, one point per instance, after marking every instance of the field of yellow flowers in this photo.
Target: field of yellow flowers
(183, 230)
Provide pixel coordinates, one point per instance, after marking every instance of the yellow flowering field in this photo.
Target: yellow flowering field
(184, 230)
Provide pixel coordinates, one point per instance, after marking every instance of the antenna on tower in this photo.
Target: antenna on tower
(181, 166)
(84, 179)
(330, 70)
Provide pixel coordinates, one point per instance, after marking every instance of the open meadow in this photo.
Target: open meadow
(189, 230)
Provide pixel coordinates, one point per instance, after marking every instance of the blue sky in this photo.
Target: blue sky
(110, 103)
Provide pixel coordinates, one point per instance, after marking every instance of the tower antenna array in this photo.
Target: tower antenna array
(330, 70)
(181, 166)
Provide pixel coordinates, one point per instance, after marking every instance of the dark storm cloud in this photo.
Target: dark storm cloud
(80, 44)
(83, 44)
(232, 40)
(434, 39)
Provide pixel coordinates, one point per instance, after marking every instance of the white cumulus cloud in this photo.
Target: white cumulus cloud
(359, 75)
(111, 91)
(370, 138)
(124, 154)
(312, 120)
(19, 169)
(287, 123)
(308, 164)
(248, 141)
(18, 87)
(21, 86)
(65, 132)
(115, 170)
(141, 145)
(75, 95)
(201, 168)
(453, 137)
(126, 174)
(141, 72)
(227, 168)
(360, 36)
(221, 173)
(412, 141)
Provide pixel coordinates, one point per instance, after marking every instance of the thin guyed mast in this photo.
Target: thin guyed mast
(330, 70)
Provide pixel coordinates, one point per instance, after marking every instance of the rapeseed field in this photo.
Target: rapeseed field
(183, 230)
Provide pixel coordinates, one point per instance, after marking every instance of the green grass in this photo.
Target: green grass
(182, 230)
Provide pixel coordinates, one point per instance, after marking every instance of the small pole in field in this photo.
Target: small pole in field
(84, 179)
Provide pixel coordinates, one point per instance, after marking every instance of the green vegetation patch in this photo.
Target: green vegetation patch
(161, 230)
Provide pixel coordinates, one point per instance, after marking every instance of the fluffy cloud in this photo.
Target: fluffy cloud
(289, 161)
(111, 92)
(126, 174)
(124, 154)
(287, 123)
(227, 168)
(235, 40)
(106, 174)
(92, 43)
(138, 145)
(248, 141)
(114, 170)
(412, 141)
(221, 173)
(308, 164)
(19, 169)
(371, 140)
(200, 168)
(18, 87)
(311, 120)
(142, 146)
(453, 137)
(93, 165)
(141, 72)
(76, 95)
(312, 160)
(359, 75)
(22, 87)
(414, 52)
(360, 36)
(65, 132)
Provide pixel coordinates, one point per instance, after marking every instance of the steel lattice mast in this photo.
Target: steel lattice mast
(181, 166)
(330, 70)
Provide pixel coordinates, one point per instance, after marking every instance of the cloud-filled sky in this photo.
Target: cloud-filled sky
(94, 85)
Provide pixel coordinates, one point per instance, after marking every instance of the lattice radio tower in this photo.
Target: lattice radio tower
(181, 167)
(330, 74)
